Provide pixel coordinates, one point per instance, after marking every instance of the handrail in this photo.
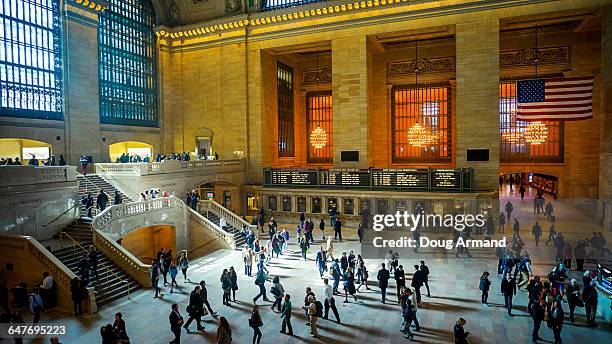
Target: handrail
(62, 214)
(235, 220)
(127, 283)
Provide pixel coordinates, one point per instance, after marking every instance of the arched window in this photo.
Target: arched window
(30, 59)
(128, 64)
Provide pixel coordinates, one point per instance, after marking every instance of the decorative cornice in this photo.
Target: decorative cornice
(97, 5)
(281, 17)
(425, 65)
(529, 57)
(315, 76)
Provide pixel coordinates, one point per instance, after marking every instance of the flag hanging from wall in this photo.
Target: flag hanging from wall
(562, 99)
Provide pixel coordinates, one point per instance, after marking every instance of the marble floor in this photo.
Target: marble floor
(454, 289)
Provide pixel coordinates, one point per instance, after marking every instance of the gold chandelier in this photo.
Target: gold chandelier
(318, 138)
(420, 136)
(536, 133)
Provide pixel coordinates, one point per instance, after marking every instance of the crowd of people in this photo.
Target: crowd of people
(33, 161)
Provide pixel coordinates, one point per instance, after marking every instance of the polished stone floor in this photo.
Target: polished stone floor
(454, 288)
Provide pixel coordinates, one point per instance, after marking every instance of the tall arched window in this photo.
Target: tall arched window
(128, 64)
(30, 59)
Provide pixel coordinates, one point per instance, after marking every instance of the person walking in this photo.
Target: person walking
(589, 296)
(349, 284)
(508, 289)
(407, 313)
(173, 273)
(400, 281)
(321, 261)
(102, 200)
(226, 286)
(76, 294)
(176, 321)
(314, 311)
(88, 202)
(322, 228)
(255, 322)
(522, 192)
(418, 279)
(460, 333)
(509, 208)
(484, 286)
(224, 332)
(36, 304)
(155, 272)
(260, 281)
(204, 297)
(536, 310)
(84, 162)
(234, 281)
(195, 309)
(183, 264)
(383, 281)
(573, 298)
(117, 198)
(329, 301)
(286, 316)
(278, 292)
(556, 318)
(425, 269)
(330, 248)
(536, 230)
(335, 272)
(338, 229)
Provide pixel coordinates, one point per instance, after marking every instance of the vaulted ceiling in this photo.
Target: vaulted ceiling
(180, 12)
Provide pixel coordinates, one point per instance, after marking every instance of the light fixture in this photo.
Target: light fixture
(418, 135)
(512, 137)
(318, 138)
(536, 133)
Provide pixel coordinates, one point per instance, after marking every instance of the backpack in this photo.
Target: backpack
(319, 310)
(275, 291)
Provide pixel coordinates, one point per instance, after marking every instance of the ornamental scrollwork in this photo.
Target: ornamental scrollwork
(317, 76)
(528, 57)
(424, 65)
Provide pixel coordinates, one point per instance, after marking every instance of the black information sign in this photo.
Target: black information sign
(401, 179)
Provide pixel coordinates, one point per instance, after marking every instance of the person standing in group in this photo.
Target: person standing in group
(590, 298)
(425, 269)
(226, 286)
(204, 297)
(556, 318)
(508, 288)
(329, 301)
(522, 191)
(255, 322)
(536, 310)
(36, 304)
(383, 281)
(173, 273)
(335, 273)
(183, 264)
(195, 309)
(400, 281)
(460, 333)
(278, 292)
(484, 286)
(234, 281)
(338, 229)
(313, 313)
(176, 321)
(155, 273)
(417, 282)
(573, 298)
(286, 316)
(322, 228)
(224, 332)
(349, 284)
(119, 328)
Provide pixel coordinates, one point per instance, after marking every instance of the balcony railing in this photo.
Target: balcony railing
(270, 5)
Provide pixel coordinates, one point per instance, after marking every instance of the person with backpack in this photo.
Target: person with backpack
(286, 316)
(260, 281)
(278, 291)
(255, 322)
(484, 286)
(315, 310)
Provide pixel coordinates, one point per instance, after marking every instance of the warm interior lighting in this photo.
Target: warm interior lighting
(420, 136)
(318, 138)
(512, 137)
(536, 133)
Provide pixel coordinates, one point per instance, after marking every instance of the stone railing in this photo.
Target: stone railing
(62, 275)
(122, 258)
(230, 217)
(169, 166)
(28, 175)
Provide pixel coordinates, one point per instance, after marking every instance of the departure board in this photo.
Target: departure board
(345, 178)
(416, 179)
(400, 179)
(445, 179)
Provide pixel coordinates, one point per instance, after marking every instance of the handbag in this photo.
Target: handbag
(580, 303)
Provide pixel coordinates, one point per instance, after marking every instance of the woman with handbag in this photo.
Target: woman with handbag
(255, 322)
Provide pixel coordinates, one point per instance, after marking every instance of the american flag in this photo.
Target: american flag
(562, 99)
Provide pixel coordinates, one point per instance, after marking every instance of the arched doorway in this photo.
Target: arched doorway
(145, 242)
(131, 148)
(25, 149)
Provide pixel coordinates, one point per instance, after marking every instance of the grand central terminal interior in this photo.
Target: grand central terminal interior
(444, 166)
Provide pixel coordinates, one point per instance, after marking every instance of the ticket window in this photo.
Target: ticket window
(316, 205)
(332, 203)
(364, 206)
(272, 203)
(382, 206)
(301, 204)
(349, 206)
(286, 203)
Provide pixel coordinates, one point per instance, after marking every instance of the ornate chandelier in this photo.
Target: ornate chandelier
(420, 136)
(536, 133)
(318, 138)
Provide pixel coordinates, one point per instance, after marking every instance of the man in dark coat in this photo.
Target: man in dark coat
(537, 314)
(118, 199)
(338, 229)
(93, 261)
(88, 202)
(204, 296)
(400, 281)
(195, 309)
(102, 200)
(383, 281)
(508, 288)
(418, 278)
(176, 320)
